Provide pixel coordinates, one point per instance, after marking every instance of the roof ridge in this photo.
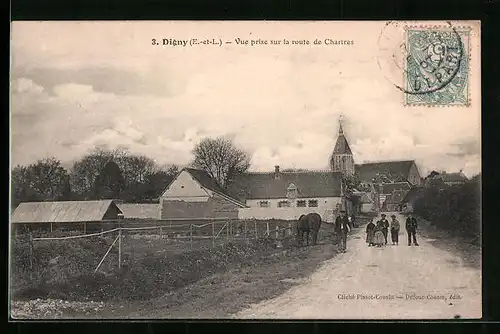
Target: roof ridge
(299, 171)
(382, 161)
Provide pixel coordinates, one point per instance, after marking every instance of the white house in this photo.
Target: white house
(287, 195)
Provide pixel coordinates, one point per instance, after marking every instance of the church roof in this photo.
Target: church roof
(393, 170)
(342, 146)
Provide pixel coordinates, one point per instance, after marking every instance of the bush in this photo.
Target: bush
(454, 208)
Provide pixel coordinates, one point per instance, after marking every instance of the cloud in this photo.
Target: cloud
(24, 85)
(281, 105)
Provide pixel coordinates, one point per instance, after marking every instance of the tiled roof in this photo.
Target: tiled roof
(64, 211)
(453, 177)
(204, 179)
(265, 185)
(389, 188)
(140, 210)
(394, 170)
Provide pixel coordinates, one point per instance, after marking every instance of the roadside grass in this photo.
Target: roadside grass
(466, 248)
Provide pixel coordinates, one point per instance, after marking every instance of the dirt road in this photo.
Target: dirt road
(392, 282)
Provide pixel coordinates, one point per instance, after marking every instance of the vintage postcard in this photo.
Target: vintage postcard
(245, 170)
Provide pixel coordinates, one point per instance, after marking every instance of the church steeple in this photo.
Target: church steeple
(342, 159)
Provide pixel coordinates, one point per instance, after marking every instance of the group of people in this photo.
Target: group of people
(376, 234)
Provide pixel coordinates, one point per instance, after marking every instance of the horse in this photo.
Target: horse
(308, 223)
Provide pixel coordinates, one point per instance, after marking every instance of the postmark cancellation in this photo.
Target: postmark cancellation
(437, 65)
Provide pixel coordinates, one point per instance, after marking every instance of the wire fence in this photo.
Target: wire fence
(172, 236)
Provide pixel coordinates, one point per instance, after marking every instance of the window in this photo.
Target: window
(291, 191)
(313, 203)
(264, 204)
(301, 204)
(283, 204)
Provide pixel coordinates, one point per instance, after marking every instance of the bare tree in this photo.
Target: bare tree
(221, 159)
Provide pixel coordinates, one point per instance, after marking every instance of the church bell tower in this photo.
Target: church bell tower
(342, 159)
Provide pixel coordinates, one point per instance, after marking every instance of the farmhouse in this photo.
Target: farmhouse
(84, 215)
(194, 194)
(287, 195)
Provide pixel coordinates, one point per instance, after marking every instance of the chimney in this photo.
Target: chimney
(276, 172)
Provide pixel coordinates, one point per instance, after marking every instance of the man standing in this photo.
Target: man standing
(385, 227)
(411, 229)
(342, 228)
(394, 230)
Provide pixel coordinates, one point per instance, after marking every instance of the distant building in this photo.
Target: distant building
(139, 210)
(85, 215)
(393, 202)
(389, 172)
(409, 200)
(449, 179)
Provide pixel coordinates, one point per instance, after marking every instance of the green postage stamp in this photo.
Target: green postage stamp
(437, 66)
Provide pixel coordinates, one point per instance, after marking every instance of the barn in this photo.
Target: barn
(73, 215)
(194, 194)
(139, 211)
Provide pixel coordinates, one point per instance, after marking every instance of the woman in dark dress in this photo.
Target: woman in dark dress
(370, 233)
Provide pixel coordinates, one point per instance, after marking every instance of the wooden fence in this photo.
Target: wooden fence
(187, 234)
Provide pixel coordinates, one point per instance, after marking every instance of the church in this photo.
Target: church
(289, 194)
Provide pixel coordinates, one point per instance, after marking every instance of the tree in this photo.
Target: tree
(350, 182)
(110, 182)
(220, 159)
(84, 172)
(45, 180)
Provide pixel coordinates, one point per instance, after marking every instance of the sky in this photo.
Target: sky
(80, 85)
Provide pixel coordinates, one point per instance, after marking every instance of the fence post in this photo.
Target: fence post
(268, 232)
(289, 228)
(50, 227)
(277, 232)
(31, 253)
(256, 234)
(119, 246)
(228, 226)
(84, 228)
(161, 232)
(213, 234)
(120, 223)
(245, 230)
(191, 235)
